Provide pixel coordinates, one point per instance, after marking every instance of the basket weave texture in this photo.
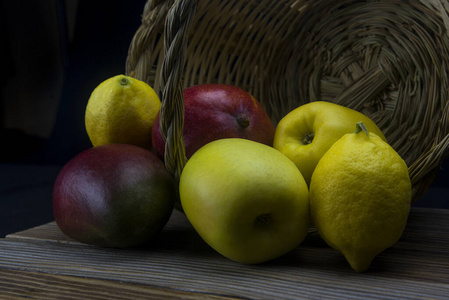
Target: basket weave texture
(388, 59)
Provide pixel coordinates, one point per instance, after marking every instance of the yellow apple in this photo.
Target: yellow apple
(245, 199)
(307, 132)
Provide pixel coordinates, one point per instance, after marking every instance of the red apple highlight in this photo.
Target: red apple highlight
(218, 111)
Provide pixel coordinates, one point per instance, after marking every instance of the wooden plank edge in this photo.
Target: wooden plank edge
(24, 284)
(49, 232)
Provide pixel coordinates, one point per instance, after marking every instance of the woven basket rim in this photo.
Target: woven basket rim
(387, 59)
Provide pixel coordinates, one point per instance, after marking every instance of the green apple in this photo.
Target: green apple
(245, 199)
(307, 132)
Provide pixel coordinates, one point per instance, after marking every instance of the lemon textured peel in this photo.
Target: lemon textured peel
(121, 109)
(360, 197)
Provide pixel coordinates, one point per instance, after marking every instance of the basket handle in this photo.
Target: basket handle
(177, 24)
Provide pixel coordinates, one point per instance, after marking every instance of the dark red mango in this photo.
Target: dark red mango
(113, 196)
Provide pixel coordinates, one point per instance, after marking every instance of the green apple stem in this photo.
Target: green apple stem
(360, 126)
(308, 138)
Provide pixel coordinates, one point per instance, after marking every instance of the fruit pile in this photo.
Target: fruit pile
(251, 190)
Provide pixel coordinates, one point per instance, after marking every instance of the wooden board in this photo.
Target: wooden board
(43, 262)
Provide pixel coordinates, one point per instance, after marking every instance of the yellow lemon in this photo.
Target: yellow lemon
(121, 110)
(360, 196)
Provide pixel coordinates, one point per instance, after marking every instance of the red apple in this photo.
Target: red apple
(218, 111)
(113, 195)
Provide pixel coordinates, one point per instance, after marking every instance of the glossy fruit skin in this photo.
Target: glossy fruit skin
(307, 132)
(217, 111)
(245, 199)
(114, 195)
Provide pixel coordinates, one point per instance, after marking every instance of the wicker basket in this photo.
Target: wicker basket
(388, 59)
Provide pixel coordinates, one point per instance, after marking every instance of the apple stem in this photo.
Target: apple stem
(360, 126)
(308, 138)
(243, 121)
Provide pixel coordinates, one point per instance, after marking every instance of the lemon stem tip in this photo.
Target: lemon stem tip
(360, 126)
(123, 81)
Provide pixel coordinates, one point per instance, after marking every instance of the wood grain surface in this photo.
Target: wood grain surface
(42, 262)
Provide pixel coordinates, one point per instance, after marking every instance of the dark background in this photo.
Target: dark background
(53, 54)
